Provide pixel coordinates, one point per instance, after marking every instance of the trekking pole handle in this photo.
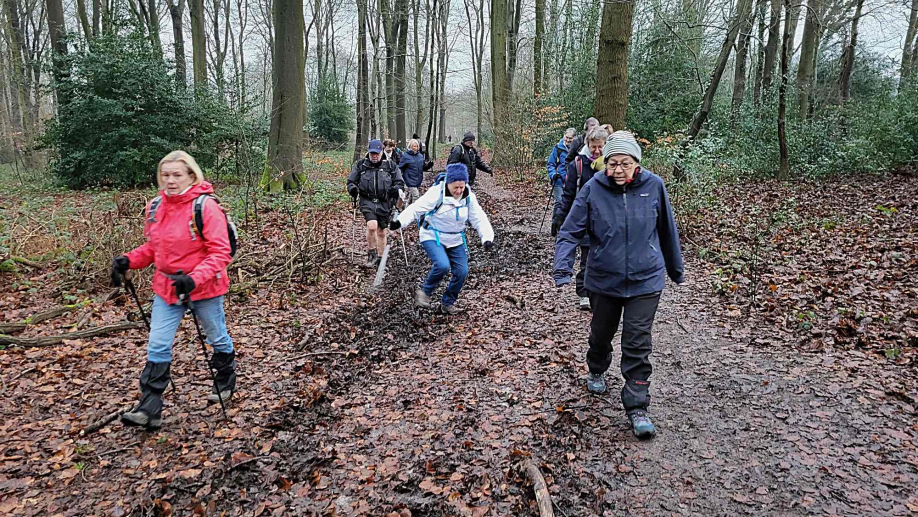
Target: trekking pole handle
(184, 298)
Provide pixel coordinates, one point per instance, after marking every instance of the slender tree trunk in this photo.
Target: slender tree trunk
(786, 42)
(219, 53)
(285, 143)
(96, 17)
(745, 19)
(808, 49)
(771, 49)
(443, 66)
(612, 63)
(19, 72)
(58, 32)
(401, 83)
(84, 20)
(720, 65)
(362, 80)
(176, 11)
(905, 70)
(537, 47)
(847, 59)
(513, 36)
(431, 141)
(500, 87)
(199, 43)
(389, 33)
(760, 56)
(419, 61)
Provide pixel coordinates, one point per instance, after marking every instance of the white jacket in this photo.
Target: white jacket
(450, 218)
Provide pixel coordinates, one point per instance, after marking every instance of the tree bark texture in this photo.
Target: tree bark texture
(537, 46)
(176, 11)
(760, 55)
(719, 66)
(784, 167)
(847, 58)
(58, 33)
(84, 20)
(443, 67)
(771, 48)
(808, 56)
(612, 63)
(401, 82)
(20, 69)
(285, 143)
(513, 35)
(905, 70)
(745, 19)
(199, 43)
(363, 73)
(500, 88)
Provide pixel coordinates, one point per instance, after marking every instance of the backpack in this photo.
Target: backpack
(198, 208)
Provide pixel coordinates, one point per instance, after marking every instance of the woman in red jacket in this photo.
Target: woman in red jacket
(175, 244)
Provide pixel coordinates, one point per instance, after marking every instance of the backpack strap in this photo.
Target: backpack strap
(154, 206)
(199, 212)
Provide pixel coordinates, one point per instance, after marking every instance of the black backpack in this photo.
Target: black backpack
(199, 218)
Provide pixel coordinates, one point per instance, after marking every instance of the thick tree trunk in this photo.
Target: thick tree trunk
(719, 66)
(363, 73)
(96, 17)
(612, 63)
(739, 63)
(771, 48)
(808, 50)
(58, 33)
(285, 143)
(178, 35)
(537, 46)
(199, 43)
(19, 73)
(786, 42)
(847, 59)
(500, 88)
(760, 55)
(905, 70)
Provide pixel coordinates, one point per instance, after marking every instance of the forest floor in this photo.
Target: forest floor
(785, 379)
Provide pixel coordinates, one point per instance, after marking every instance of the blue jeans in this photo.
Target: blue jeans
(455, 259)
(556, 190)
(164, 322)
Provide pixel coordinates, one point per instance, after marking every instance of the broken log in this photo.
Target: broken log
(543, 498)
(27, 342)
(104, 421)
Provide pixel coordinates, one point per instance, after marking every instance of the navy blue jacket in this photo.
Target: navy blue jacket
(413, 166)
(634, 242)
(556, 164)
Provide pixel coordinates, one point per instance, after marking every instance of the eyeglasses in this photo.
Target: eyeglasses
(624, 165)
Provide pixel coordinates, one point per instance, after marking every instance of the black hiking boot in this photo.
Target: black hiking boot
(641, 425)
(149, 412)
(596, 383)
(224, 366)
(371, 258)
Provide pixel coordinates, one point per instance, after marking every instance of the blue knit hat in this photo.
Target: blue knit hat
(456, 172)
(375, 146)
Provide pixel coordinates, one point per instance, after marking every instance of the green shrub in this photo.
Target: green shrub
(125, 114)
(330, 113)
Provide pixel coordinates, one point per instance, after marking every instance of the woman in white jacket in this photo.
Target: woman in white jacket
(442, 214)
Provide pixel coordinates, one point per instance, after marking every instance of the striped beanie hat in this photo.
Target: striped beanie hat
(622, 142)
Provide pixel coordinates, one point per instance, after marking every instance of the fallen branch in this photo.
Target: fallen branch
(25, 261)
(12, 328)
(543, 499)
(28, 342)
(107, 419)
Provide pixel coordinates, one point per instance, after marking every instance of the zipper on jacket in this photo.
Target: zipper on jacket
(625, 199)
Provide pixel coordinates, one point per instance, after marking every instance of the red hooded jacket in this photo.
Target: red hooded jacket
(173, 244)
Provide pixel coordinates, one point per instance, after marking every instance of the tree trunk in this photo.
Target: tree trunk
(285, 143)
(443, 66)
(745, 19)
(96, 17)
(58, 33)
(720, 65)
(178, 36)
(760, 56)
(401, 82)
(537, 46)
(500, 88)
(513, 44)
(84, 20)
(431, 140)
(219, 49)
(419, 61)
(19, 72)
(612, 63)
(199, 43)
(847, 59)
(808, 49)
(771, 49)
(363, 73)
(784, 167)
(905, 71)
(389, 34)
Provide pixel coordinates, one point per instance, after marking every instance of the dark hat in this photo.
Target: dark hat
(456, 172)
(375, 146)
(468, 136)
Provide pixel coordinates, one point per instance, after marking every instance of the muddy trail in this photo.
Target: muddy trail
(357, 403)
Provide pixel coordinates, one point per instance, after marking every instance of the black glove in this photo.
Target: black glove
(183, 284)
(392, 193)
(490, 171)
(120, 266)
(353, 192)
(395, 225)
(489, 246)
(555, 226)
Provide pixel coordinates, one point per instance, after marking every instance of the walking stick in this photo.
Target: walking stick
(353, 230)
(402, 235)
(186, 301)
(146, 321)
(544, 212)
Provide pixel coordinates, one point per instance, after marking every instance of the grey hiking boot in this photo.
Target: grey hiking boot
(149, 412)
(596, 383)
(421, 299)
(641, 425)
(224, 366)
(371, 258)
(450, 310)
(584, 304)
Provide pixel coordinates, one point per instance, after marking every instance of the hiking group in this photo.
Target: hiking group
(621, 221)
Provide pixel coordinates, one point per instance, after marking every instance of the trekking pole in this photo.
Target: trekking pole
(186, 301)
(544, 212)
(353, 231)
(146, 321)
(402, 235)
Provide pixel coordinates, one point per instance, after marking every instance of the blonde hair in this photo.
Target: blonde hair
(414, 141)
(180, 156)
